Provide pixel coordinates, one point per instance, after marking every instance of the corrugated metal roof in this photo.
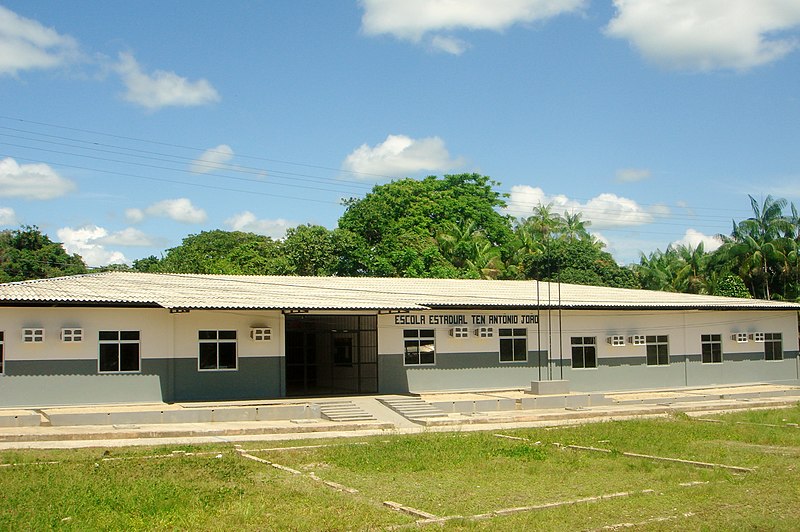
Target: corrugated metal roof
(347, 293)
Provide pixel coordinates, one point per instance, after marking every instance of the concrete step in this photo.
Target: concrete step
(343, 411)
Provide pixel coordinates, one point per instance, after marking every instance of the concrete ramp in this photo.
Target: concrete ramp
(413, 408)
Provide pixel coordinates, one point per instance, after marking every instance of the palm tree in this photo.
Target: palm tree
(526, 244)
(768, 222)
(456, 241)
(754, 243)
(655, 272)
(544, 221)
(486, 261)
(691, 274)
(573, 227)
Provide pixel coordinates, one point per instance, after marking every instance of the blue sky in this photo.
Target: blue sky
(124, 127)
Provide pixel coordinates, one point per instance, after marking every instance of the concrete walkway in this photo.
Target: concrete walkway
(161, 424)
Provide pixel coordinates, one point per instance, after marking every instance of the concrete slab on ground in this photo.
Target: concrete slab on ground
(234, 421)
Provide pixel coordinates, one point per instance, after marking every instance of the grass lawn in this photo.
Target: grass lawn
(474, 475)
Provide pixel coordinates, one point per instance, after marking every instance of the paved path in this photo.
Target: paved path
(624, 406)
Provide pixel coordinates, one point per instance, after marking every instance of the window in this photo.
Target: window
(711, 346)
(584, 352)
(513, 345)
(71, 335)
(33, 335)
(217, 350)
(739, 338)
(484, 332)
(637, 339)
(2, 359)
(617, 340)
(420, 347)
(261, 334)
(459, 332)
(119, 351)
(758, 337)
(657, 350)
(773, 346)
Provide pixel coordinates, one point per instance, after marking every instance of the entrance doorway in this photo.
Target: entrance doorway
(330, 355)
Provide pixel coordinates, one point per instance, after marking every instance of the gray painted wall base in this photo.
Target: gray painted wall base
(54, 390)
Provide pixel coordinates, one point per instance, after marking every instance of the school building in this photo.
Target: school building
(122, 337)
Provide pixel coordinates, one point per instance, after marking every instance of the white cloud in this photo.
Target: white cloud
(247, 221)
(134, 216)
(708, 34)
(87, 241)
(604, 210)
(26, 44)
(212, 159)
(415, 20)
(632, 175)
(162, 88)
(450, 45)
(692, 238)
(127, 237)
(31, 181)
(8, 216)
(399, 155)
(180, 210)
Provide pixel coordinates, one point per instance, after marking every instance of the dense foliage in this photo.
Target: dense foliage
(758, 259)
(451, 227)
(26, 253)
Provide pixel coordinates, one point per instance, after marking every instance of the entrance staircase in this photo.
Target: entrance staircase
(412, 408)
(343, 411)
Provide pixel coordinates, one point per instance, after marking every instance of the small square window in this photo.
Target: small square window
(261, 334)
(459, 332)
(72, 335)
(758, 337)
(33, 335)
(616, 340)
(637, 339)
(739, 338)
(484, 332)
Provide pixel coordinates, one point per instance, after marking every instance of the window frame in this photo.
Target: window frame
(708, 353)
(770, 341)
(231, 337)
(513, 336)
(657, 342)
(418, 338)
(579, 346)
(119, 342)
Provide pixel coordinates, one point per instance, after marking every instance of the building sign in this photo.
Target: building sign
(465, 319)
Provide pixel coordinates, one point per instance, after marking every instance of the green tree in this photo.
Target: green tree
(732, 286)
(579, 262)
(399, 223)
(223, 252)
(27, 253)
